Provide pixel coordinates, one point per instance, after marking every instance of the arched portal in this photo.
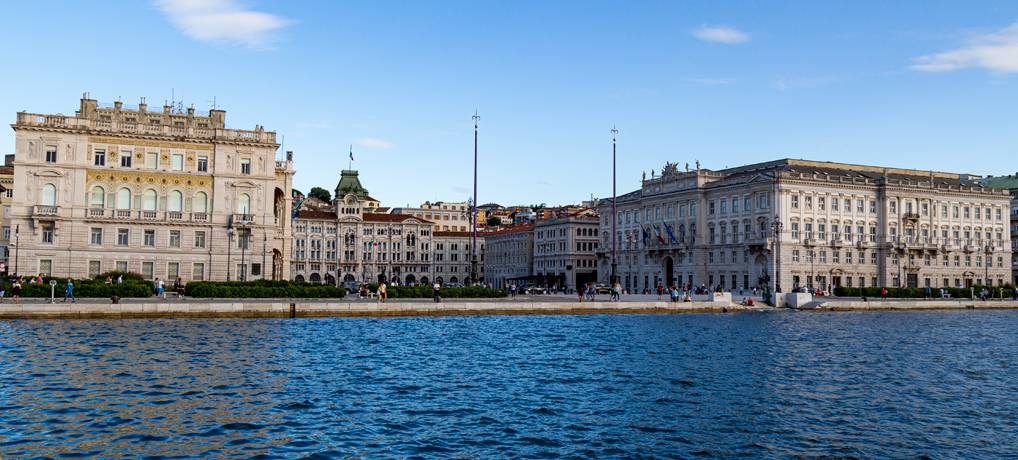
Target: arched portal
(424, 280)
(299, 278)
(410, 279)
(316, 278)
(761, 269)
(669, 271)
(439, 280)
(349, 277)
(454, 280)
(329, 279)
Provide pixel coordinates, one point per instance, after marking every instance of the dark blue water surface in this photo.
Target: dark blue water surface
(932, 384)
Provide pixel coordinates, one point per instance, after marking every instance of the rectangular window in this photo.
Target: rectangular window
(94, 268)
(710, 208)
(748, 205)
(735, 205)
(51, 154)
(795, 230)
(125, 159)
(894, 207)
(46, 267)
(172, 271)
(795, 255)
(873, 206)
(834, 204)
(809, 202)
(763, 201)
(795, 201)
(122, 237)
(174, 238)
(199, 239)
(256, 269)
(203, 165)
(100, 157)
(724, 206)
(122, 266)
(873, 260)
(97, 236)
(151, 160)
(820, 203)
(859, 208)
(150, 238)
(245, 166)
(968, 261)
(146, 270)
(178, 163)
(198, 272)
(848, 257)
(862, 257)
(47, 233)
(682, 210)
(7, 233)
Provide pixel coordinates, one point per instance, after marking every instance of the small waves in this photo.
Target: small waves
(811, 385)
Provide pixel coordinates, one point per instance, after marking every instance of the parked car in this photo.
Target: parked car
(602, 289)
(534, 290)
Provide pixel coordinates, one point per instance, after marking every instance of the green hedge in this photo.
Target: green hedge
(425, 292)
(914, 293)
(85, 288)
(115, 274)
(262, 289)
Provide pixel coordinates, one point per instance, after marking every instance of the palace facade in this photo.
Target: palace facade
(165, 193)
(375, 246)
(802, 223)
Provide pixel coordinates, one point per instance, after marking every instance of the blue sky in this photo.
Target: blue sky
(927, 85)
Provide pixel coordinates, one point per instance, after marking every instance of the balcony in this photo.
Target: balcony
(239, 219)
(910, 216)
(146, 216)
(38, 210)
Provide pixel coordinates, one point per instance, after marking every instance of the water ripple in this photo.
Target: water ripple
(864, 385)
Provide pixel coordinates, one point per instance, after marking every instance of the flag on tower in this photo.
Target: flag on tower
(351, 152)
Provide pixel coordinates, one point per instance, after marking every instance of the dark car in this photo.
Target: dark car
(534, 290)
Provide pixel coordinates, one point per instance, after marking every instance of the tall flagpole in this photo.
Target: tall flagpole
(615, 214)
(473, 246)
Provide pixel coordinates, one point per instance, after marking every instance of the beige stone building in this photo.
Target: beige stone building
(163, 193)
(565, 247)
(447, 216)
(510, 255)
(452, 257)
(808, 223)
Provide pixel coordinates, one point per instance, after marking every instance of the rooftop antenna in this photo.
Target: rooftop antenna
(213, 101)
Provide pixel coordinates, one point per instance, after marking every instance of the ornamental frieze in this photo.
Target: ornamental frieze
(144, 143)
(139, 181)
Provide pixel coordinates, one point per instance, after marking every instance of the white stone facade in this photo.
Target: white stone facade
(812, 224)
(565, 248)
(510, 254)
(159, 193)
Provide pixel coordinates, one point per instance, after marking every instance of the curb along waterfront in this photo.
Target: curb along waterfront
(284, 308)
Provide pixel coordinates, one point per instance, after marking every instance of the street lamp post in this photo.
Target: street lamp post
(265, 246)
(242, 238)
(901, 282)
(989, 259)
(615, 216)
(17, 247)
(473, 212)
(776, 228)
(229, 246)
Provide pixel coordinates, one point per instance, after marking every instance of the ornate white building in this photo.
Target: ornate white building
(808, 223)
(354, 244)
(165, 194)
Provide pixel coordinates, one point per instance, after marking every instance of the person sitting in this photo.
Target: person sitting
(749, 302)
(745, 301)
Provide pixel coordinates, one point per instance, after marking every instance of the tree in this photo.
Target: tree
(321, 194)
(494, 221)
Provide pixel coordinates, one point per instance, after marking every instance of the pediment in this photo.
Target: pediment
(244, 184)
(49, 173)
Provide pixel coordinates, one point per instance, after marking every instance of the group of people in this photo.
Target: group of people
(588, 292)
(686, 290)
(15, 289)
(160, 287)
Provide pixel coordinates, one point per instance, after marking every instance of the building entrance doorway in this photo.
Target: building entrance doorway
(669, 271)
(835, 281)
(912, 280)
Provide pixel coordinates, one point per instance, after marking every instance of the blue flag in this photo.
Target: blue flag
(670, 232)
(645, 235)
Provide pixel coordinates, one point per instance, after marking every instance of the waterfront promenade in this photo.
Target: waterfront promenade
(645, 304)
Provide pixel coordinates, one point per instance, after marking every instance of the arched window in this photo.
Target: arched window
(200, 202)
(176, 201)
(124, 198)
(243, 204)
(150, 200)
(98, 197)
(49, 195)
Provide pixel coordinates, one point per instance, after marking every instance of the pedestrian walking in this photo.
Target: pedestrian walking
(581, 291)
(16, 290)
(69, 291)
(438, 298)
(883, 293)
(162, 288)
(120, 279)
(381, 292)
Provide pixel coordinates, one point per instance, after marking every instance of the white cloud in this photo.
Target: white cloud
(721, 34)
(712, 81)
(223, 21)
(375, 144)
(997, 51)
